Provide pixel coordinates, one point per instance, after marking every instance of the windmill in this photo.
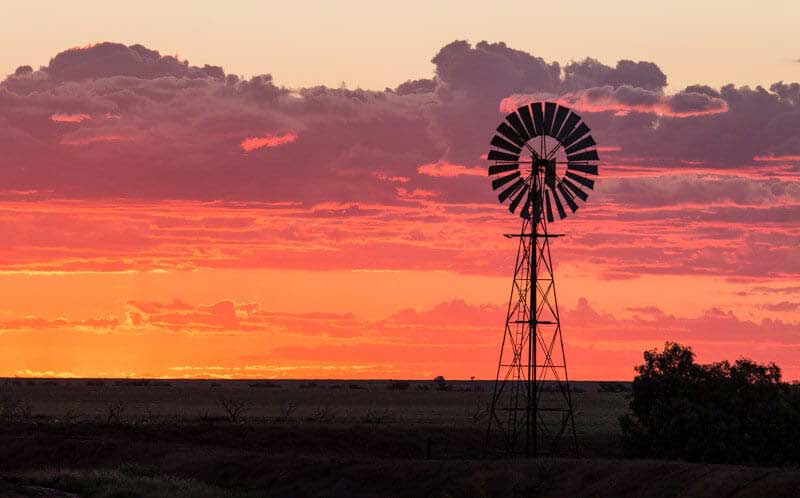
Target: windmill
(544, 159)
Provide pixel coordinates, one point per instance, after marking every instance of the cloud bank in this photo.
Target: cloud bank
(105, 120)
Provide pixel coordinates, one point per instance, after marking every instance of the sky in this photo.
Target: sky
(374, 45)
(187, 191)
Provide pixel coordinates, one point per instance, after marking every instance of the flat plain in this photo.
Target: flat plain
(104, 438)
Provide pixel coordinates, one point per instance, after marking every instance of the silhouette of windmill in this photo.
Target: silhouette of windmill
(544, 159)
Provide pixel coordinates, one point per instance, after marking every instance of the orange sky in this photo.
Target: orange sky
(159, 219)
(232, 303)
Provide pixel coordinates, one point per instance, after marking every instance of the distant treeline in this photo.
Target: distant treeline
(719, 412)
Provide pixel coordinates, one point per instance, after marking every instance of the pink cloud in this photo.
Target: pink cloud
(780, 159)
(268, 141)
(623, 100)
(445, 169)
(87, 140)
(69, 118)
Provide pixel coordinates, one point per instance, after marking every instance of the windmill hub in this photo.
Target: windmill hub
(544, 164)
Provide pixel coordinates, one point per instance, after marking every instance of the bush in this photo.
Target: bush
(721, 412)
(398, 385)
(234, 408)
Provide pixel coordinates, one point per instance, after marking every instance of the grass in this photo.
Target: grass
(128, 483)
(322, 438)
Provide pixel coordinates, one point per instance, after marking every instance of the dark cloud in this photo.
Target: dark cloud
(697, 189)
(114, 59)
(23, 70)
(493, 70)
(416, 86)
(590, 73)
(703, 89)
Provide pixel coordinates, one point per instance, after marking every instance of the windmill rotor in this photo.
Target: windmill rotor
(544, 160)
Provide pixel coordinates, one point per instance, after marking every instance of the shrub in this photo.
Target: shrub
(322, 413)
(721, 412)
(234, 407)
(398, 385)
(374, 416)
(286, 410)
(114, 411)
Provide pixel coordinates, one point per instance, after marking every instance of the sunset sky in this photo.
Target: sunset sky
(298, 190)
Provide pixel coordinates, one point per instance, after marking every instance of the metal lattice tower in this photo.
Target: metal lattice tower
(532, 411)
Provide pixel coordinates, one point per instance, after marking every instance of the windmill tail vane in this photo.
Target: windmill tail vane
(544, 161)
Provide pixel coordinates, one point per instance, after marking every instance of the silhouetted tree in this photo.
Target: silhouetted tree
(720, 412)
(441, 383)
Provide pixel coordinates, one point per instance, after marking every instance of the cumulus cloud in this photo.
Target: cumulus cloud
(592, 73)
(104, 60)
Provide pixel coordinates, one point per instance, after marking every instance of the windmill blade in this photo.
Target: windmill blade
(501, 143)
(583, 143)
(550, 174)
(567, 198)
(502, 168)
(496, 155)
(570, 124)
(538, 117)
(589, 155)
(496, 184)
(515, 202)
(548, 207)
(561, 213)
(505, 194)
(575, 189)
(515, 123)
(525, 114)
(589, 169)
(510, 134)
(581, 179)
(573, 137)
(549, 114)
(561, 115)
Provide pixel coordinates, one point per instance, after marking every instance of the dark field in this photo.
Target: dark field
(322, 438)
